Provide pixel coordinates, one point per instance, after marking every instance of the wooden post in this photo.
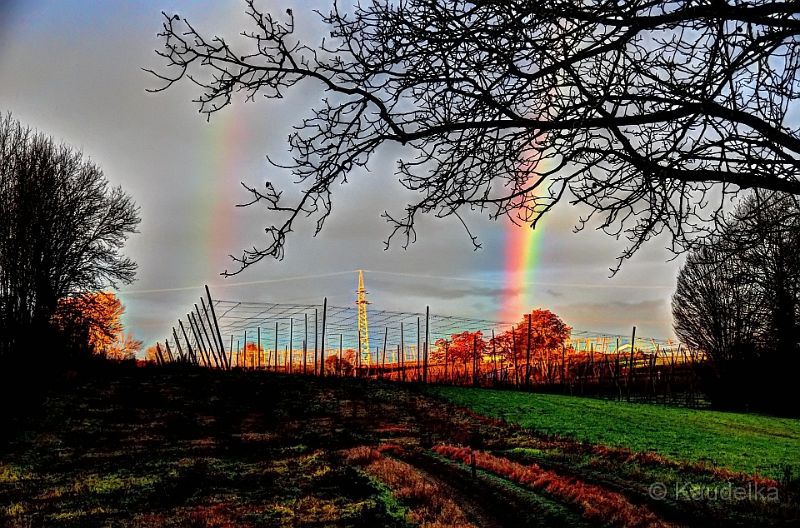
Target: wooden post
(402, 353)
(160, 355)
(474, 359)
(446, 358)
(192, 355)
(291, 343)
(244, 350)
(305, 345)
(230, 353)
(258, 344)
(339, 363)
(528, 355)
(322, 350)
(427, 345)
(169, 352)
(383, 359)
(218, 346)
(216, 325)
(316, 335)
(514, 355)
(211, 347)
(197, 339)
(494, 356)
(178, 344)
(419, 345)
(630, 363)
(276, 346)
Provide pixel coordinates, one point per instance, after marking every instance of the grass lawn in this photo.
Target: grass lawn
(749, 443)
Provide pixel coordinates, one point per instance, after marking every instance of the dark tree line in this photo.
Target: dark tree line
(739, 301)
(62, 229)
(652, 115)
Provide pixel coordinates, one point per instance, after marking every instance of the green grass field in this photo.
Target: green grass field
(748, 443)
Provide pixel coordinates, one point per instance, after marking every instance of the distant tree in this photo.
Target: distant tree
(651, 114)
(463, 348)
(62, 229)
(738, 301)
(548, 333)
(124, 348)
(93, 321)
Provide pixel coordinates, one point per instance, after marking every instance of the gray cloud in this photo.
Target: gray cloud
(73, 69)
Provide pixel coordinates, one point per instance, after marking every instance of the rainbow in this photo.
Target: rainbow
(522, 252)
(216, 192)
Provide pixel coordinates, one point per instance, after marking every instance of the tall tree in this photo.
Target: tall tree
(738, 300)
(62, 229)
(651, 114)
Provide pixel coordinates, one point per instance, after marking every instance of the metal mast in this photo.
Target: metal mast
(363, 327)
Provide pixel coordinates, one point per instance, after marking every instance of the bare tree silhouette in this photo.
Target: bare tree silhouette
(738, 300)
(652, 114)
(62, 229)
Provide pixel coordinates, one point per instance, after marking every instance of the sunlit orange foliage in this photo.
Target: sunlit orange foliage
(548, 333)
(124, 347)
(597, 503)
(429, 502)
(96, 318)
(342, 366)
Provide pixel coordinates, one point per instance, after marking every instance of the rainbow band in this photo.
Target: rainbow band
(523, 248)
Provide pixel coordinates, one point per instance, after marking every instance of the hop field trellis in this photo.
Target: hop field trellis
(322, 339)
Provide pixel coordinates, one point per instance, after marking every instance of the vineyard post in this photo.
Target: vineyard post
(218, 346)
(427, 344)
(198, 339)
(419, 346)
(244, 350)
(216, 325)
(514, 355)
(169, 352)
(258, 344)
(446, 358)
(403, 353)
(192, 355)
(383, 359)
(528, 355)
(339, 366)
(630, 363)
(210, 345)
(305, 345)
(474, 359)
(563, 366)
(230, 353)
(316, 337)
(159, 355)
(291, 343)
(322, 349)
(494, 358)
(276, 346)
(178, 344)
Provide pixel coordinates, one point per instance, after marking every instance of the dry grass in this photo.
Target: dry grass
(428, 503)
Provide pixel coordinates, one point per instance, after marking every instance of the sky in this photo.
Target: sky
(73, 69)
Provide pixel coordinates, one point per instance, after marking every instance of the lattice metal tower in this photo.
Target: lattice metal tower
(363, 326)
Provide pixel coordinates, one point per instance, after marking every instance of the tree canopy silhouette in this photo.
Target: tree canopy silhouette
(62, 229)
(738, 300)
(650, 114)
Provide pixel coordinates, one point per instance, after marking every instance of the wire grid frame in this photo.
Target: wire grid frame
(283, 327)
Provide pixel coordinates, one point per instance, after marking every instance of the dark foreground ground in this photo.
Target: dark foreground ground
(153, 448)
